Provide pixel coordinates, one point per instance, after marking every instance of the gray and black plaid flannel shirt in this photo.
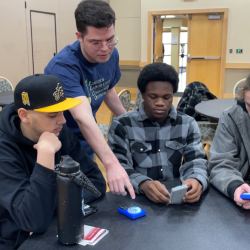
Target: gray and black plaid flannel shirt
(151, 151)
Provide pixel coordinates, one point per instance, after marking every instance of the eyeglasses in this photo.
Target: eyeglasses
(97, 45)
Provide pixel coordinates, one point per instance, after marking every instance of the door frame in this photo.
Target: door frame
(31, 33)
(225, 12)
(155, 31)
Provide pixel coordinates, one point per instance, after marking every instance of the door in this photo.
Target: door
(43, 39)
(205, 51)
(157, 41)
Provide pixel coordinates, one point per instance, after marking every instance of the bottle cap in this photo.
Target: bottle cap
(68, 166)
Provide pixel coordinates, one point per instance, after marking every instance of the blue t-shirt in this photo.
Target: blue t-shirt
(82, 78)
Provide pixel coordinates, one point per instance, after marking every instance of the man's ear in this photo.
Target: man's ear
(23, 115)
(143, 95)
(79, 36)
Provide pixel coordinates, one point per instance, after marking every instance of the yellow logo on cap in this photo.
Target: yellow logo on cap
(25, 98)
(58, 93)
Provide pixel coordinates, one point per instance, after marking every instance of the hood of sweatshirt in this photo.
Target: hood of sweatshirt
(10, 126)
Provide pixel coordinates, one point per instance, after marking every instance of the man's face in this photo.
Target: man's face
(247, 101)
(40, 122)
(158, 98)
(95, 35)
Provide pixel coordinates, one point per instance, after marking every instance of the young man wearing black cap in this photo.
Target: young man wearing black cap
(89, 70)
(33, 137)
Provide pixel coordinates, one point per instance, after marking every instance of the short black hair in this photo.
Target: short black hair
(158, 72)
(94, 13)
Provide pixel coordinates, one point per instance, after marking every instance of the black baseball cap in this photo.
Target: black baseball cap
(42, 93)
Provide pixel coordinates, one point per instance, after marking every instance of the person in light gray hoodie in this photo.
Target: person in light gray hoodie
(229, 164)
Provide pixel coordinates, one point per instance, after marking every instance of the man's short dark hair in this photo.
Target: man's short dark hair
(157, 72)
(94, 13)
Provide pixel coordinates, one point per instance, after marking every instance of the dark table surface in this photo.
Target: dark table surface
(213, 109)
(215, 222)
(6, 97)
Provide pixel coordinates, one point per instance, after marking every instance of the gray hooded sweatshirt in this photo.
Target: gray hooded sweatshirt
(230, 151)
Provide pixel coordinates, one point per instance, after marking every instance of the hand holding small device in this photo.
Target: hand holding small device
(155, 191)
(241, 196)
(177, 194)
(194, 190)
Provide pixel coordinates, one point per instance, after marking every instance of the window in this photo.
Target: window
(166, 41)
(183, 60)
(183, 48)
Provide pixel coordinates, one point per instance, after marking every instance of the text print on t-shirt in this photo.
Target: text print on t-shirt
(98, 88)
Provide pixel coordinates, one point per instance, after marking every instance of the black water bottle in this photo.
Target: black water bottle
(70, 215)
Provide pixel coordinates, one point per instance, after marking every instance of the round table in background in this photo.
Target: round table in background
(213, 109)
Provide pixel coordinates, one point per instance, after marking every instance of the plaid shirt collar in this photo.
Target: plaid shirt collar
(143, 116)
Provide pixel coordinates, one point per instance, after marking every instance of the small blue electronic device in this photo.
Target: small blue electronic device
(245, 196)
(132, 212)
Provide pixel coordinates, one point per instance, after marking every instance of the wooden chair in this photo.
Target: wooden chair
(125, 98)
(237, 86)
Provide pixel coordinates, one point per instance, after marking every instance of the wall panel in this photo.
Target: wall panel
(13, 41)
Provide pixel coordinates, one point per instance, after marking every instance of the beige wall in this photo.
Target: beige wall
(66, 22)
(238, 37)
(15, 40)
(131, 28)
(233, 76)
(36, 5)
(128, 28)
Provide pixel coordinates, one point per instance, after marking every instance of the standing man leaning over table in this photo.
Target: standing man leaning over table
(89, 70)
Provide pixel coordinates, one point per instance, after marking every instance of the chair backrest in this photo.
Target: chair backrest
(125, 98)
(237, 86)
(5, 84)
(194, 93)
(138, 99)
(207, 130)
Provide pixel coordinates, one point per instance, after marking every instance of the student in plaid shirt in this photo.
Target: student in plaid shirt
(155, 142)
